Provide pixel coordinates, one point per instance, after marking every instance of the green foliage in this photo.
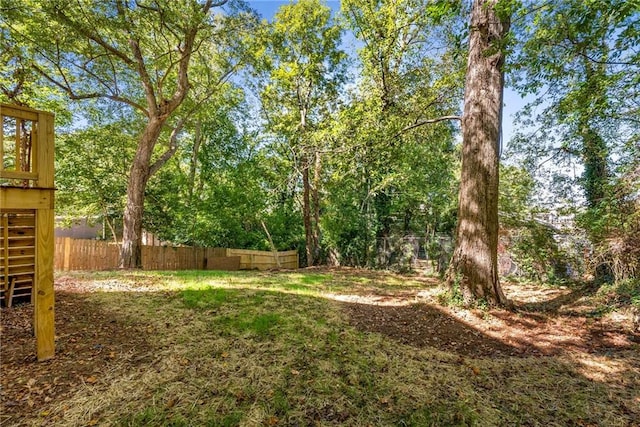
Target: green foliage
(91, 172)
(577, 59)
(300, 68)
(452, 297)
(536, 252)
(390, 175)
(515, 203)
(529, 243)
(615, 296)
(238, 149)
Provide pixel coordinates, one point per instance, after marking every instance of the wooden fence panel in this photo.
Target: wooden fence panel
(77, 254)
(262, 260)
(72, 254)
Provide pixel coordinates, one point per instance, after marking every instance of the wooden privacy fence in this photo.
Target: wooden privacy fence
(75, 254)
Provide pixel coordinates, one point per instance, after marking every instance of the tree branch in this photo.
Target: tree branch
(152, 103)
(92, 36)
(426, 122)
(77, 97)
(173, 147)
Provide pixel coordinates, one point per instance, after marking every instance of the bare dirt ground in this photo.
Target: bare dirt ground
(545, 322)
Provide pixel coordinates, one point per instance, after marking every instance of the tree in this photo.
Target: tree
(304, 67)
(134, 54)
(474, 266)
(581, 63)
(579, 60)
(91, 173)
(391, 174)
(217, 190)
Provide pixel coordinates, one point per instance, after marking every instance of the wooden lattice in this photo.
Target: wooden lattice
(17, 255)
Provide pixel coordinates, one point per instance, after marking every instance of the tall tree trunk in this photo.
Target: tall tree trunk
(474, 266)
(315, 200)
(306, 210)
(131, 251)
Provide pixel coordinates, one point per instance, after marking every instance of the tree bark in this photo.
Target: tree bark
(474, 266)
(315, 200)
(131, 251)
(306, 211)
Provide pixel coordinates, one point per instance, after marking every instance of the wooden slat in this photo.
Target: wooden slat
(44, 156)
(43, 295)
(21, 232)
(18, 112)
(18, 146)
(16, 251)
(24, 279)
(18, 175)
(35, 147)
(23, 220)
(29, 198)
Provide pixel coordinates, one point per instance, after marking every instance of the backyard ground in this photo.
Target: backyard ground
(317, 347)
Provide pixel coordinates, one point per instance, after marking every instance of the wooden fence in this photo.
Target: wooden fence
(74, 254)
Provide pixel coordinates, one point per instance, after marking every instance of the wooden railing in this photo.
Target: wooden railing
(75, 254)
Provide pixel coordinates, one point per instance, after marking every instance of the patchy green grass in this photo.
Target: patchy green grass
(267, 349)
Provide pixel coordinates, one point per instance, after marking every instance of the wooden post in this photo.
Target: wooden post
(8, 296)
(43, 290)
(5, 239)
(45, 243)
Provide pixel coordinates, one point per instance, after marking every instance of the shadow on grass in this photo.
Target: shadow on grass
(578, 291)
(426, 326)
(268, 357)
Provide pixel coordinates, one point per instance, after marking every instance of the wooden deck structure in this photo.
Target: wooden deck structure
(26, 216)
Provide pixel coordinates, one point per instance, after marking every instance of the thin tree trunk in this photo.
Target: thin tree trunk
(474, 266)
(276, 256)
(193, 167)
(306, 211)
(110, 225)
(131, 251)
(315, 199)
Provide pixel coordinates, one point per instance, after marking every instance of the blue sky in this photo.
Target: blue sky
(268, 7)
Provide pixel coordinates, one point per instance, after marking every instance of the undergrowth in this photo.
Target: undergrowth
(613, 296)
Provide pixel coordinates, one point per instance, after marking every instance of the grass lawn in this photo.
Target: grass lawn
(315, 347)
